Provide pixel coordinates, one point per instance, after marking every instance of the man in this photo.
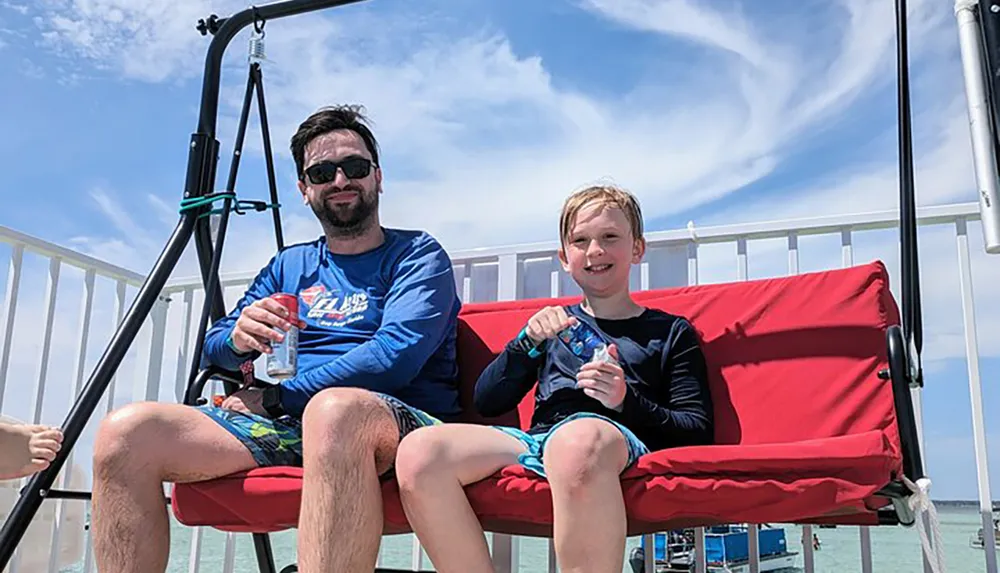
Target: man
(377, 312)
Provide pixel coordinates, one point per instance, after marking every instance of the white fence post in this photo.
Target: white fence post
(10, 312)
(976, 396)
(51, 290)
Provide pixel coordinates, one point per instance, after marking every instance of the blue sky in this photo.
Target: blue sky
(717, 112)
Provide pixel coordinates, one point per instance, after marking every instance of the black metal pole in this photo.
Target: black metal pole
(198, 181)
(265, 556)
(909, 260)
(905, 418)
(199, 184)
(989, 24)
(204, 250)
(258, 79)
(210, 310)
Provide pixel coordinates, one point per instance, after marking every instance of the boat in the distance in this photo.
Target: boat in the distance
(727, 550)
(978, 541)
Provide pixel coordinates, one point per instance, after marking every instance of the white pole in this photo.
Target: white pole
(976, 395)
(980, 126)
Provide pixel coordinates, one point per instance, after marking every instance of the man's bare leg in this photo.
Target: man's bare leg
(583, 461)
(137, 449)
(349, 438)
(26, 449)
(432, 466)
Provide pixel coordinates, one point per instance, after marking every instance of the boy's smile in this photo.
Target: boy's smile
(597, 269)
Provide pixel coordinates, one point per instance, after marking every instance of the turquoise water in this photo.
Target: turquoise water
(894, 549)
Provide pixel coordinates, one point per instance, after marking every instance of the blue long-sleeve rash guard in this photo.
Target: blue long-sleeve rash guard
(384, 320)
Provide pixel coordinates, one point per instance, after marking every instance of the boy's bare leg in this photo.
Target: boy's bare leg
(137, 449)
(432, 466)
(583, 461)
(26, 449)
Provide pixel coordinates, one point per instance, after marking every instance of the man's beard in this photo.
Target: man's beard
(347, 221)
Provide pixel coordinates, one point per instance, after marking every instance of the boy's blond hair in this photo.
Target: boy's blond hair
(608, 194)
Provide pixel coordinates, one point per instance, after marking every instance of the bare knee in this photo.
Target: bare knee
(422, 458)
(126, 439)
(345, 422)
(344, 409)
(583, 450)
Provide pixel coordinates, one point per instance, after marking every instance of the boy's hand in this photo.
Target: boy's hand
(253, 330)
(604, 381)
(547, 323)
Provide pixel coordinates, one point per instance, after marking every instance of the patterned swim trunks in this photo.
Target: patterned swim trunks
(279, 442)
(535, 443)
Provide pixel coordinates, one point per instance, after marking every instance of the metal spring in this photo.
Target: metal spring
(257, 47)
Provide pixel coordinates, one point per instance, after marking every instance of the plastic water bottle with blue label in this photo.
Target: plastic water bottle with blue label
(584, 342)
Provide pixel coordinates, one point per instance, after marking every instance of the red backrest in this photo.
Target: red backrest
(789, 359)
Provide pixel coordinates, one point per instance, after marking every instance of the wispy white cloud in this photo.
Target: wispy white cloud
(165, 214)
(471, 125)
(942, 165)
(31, 70)
(19, 8)
(943, 174)
(469, 115)
(126, 242)
(467, 121)
(149, 40)
(853, 69)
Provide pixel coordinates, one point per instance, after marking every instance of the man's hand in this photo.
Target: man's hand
(254, 328)
(604, 381)
(247, 401)
(547, 323)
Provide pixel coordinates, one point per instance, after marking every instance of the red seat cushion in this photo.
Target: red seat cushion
(666, 489)
(260, 500)
(805, 429)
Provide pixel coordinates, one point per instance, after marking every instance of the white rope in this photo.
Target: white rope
(919, 503)
(965, 5)
(691, 231)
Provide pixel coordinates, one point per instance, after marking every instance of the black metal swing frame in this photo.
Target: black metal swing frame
(904, 342)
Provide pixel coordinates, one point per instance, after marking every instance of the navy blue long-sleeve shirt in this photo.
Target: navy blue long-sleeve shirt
(384, 320)
(667, 401)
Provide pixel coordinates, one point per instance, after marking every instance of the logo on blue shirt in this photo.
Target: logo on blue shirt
(328, 308)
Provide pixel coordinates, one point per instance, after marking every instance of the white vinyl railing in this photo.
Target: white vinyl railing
(58, 263)
(32, 331)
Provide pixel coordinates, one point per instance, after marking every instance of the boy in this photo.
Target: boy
(622, 381)
(26, 449)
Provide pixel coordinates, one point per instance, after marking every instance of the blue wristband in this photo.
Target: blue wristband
(527, 345)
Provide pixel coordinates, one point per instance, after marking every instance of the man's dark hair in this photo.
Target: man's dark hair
(329, 119)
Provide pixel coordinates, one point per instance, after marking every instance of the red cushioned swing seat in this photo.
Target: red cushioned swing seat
(806, 428)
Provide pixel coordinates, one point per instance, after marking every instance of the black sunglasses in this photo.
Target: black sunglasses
(326, 171)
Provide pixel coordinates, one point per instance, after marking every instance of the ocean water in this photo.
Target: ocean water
(894, 549)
